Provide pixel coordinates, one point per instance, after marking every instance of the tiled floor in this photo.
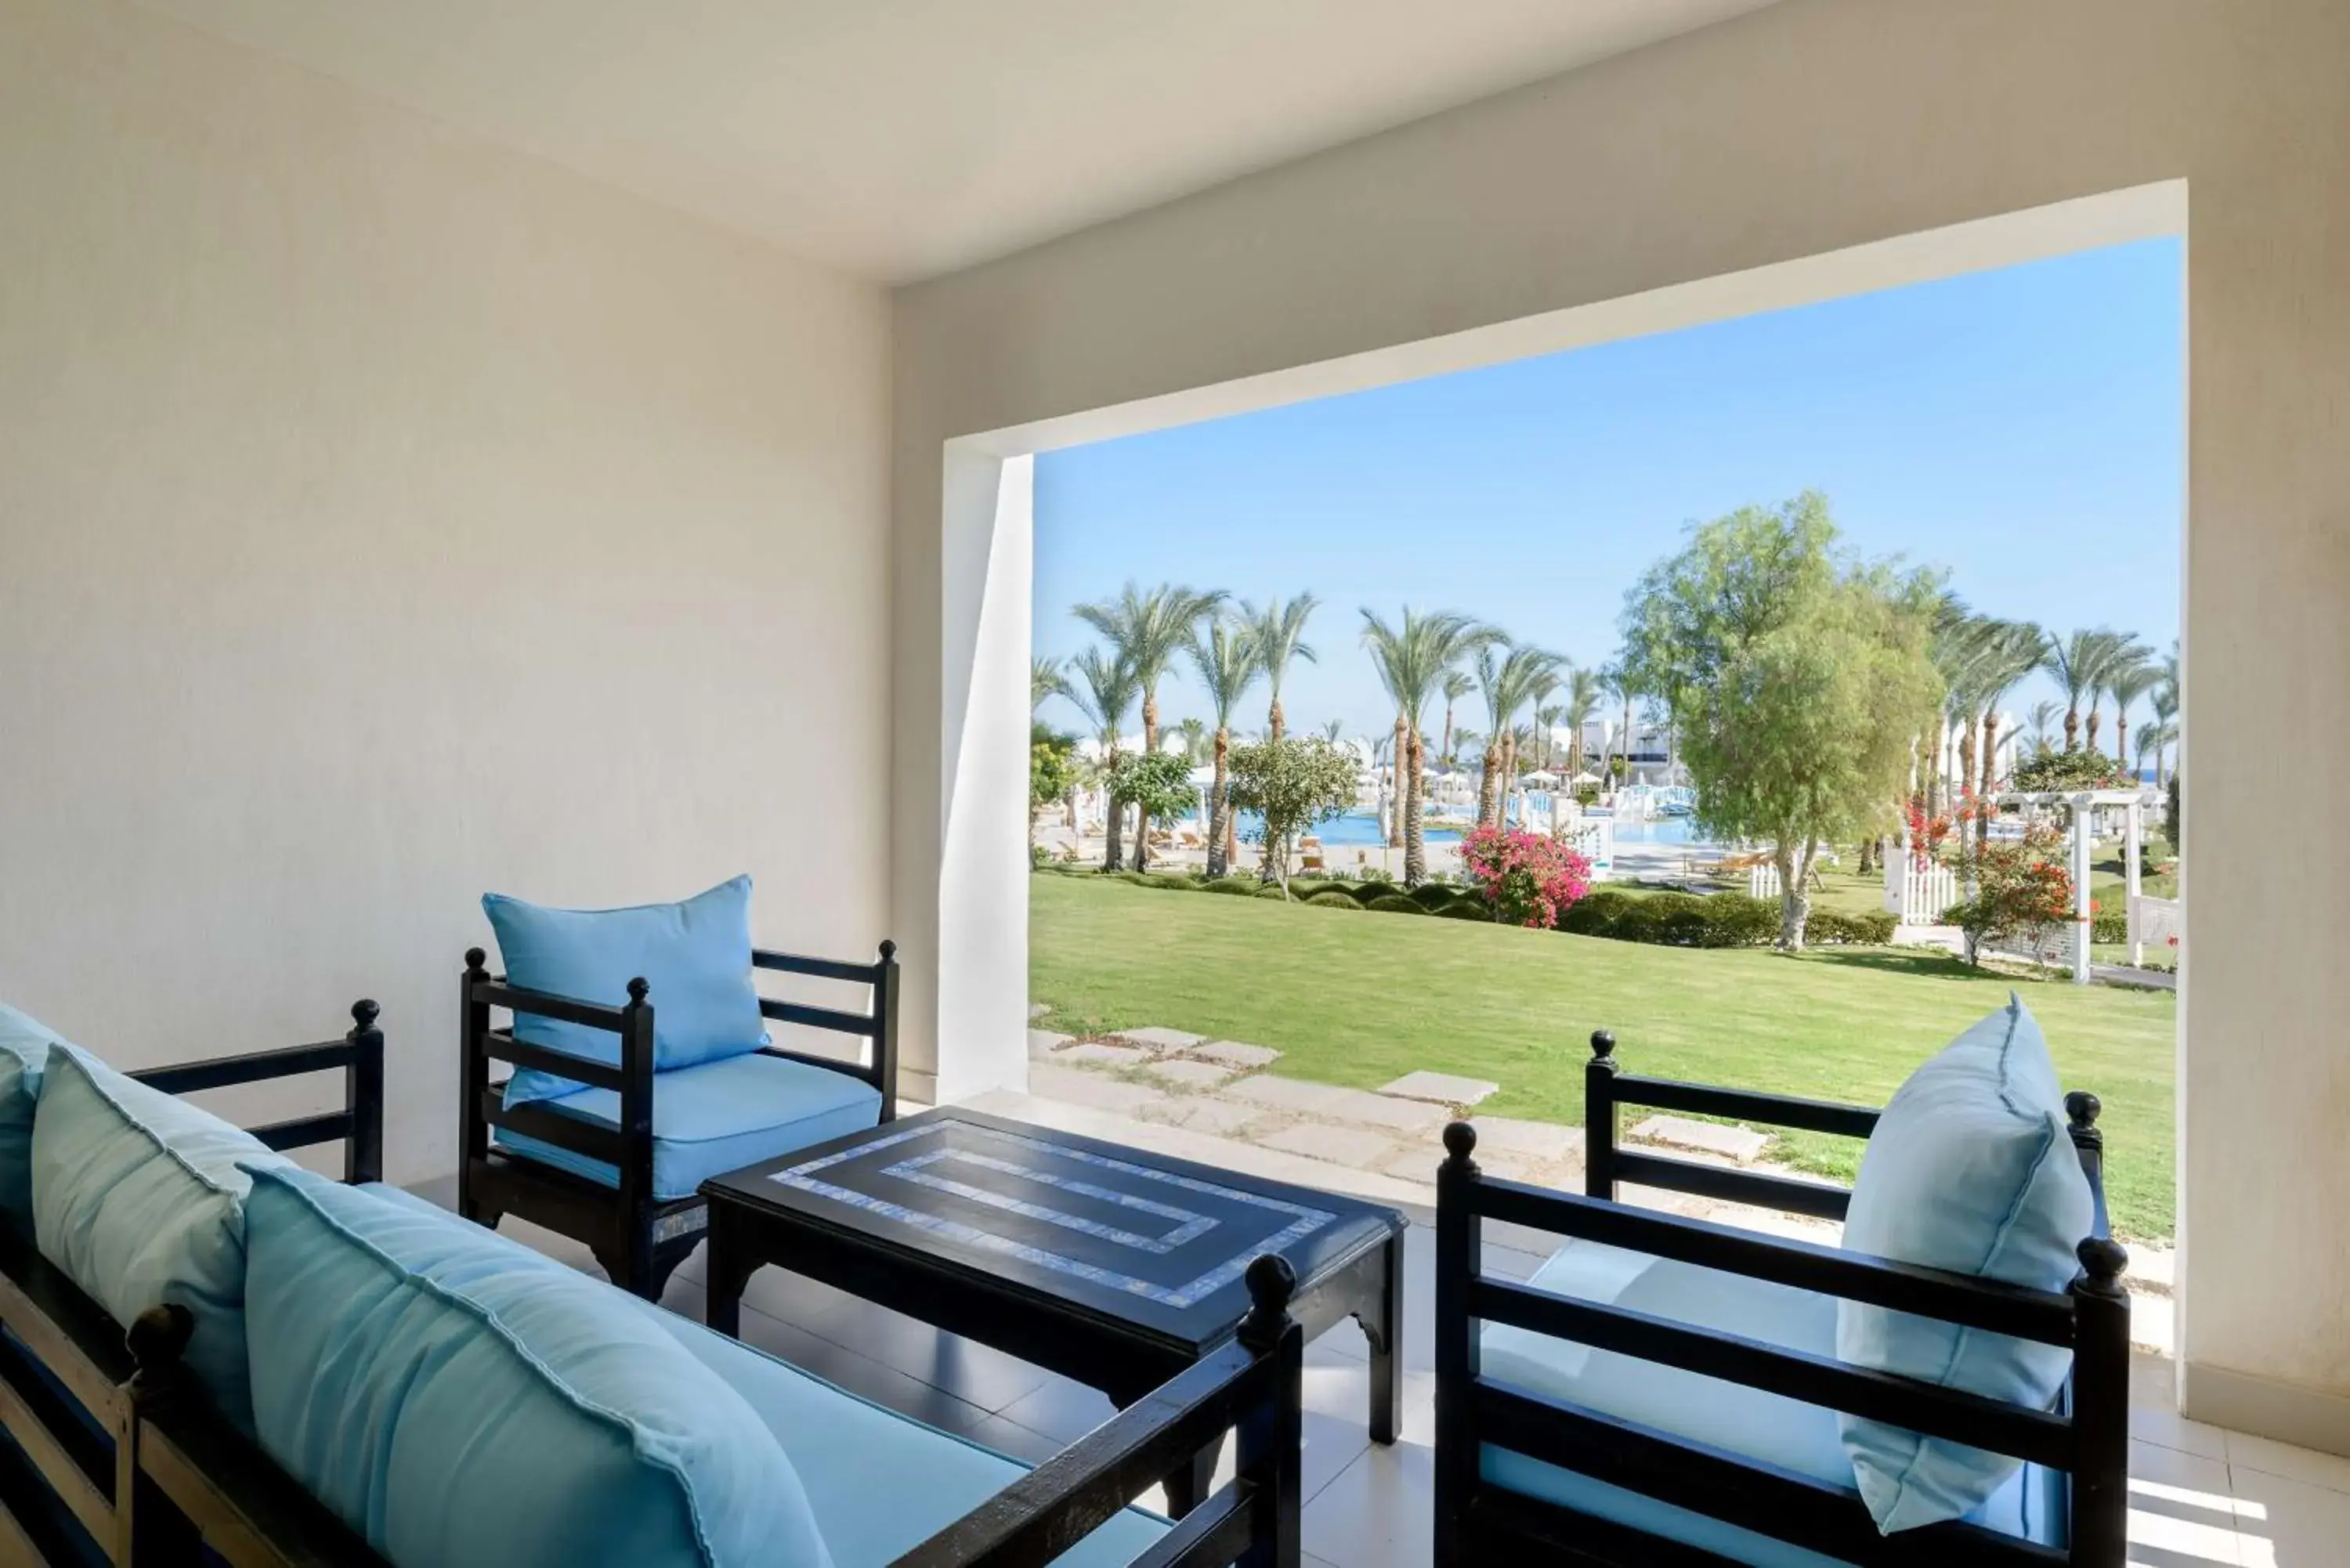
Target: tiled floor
(2199, 1496)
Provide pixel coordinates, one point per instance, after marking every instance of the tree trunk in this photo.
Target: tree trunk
(2071, 729)
(1624, 739)
(1149, 749)
(1114, 848)
(1487, 778)
(2092, 739)
(2121, 737)
(1395, 791)
(1220, 811)
(1445, 750)
(1794, 891)
(1509, 777)
(1990, 773)
(1415, 849)
(1273, 727)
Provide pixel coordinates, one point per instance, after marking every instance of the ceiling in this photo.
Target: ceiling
(902, 138)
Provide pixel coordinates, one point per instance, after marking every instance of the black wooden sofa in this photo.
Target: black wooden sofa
(1480, 1415)
(639, 1236)
(111, 1452)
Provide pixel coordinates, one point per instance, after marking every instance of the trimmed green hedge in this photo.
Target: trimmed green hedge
(1465, 909)
(1394, 904)
(1246, 887)
(1712, 920)
(1433, 896)
(1331, 898)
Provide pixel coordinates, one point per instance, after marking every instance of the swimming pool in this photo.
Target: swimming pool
(1674, 830)
(1356, 830)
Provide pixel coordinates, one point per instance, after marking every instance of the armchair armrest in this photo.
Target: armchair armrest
(357, 1126)
(1251, 1385)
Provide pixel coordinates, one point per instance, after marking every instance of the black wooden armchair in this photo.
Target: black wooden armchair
(110, 1450)
(1479, 1416)
(609, 1199)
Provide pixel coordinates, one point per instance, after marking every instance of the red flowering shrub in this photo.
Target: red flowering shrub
(2021, 889)
(1528, 879)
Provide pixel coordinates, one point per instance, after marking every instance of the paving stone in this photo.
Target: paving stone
(1531, 1140)
(1043, 1043)
(1233, 1053)
(1102, 1056)
(1207, 1114)
(1740, 1144)
(1340, 1146)
(1327, 1100)
(1157, 1039)
(1076, 1088)
(1442, 1088)
(1190, 1075)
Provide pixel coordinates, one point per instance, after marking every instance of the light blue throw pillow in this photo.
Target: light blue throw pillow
(25, 1045)
(140, 1198)
(696, 956)
(464, 1403)
(1969, 1169)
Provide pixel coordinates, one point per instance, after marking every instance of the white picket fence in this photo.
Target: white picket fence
(1916, 897)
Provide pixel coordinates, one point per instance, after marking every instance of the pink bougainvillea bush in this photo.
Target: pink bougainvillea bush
(1529, 880)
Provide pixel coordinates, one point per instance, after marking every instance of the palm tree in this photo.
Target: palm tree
(1225, 655)
(1457, 684)
(1330, 729)
(1581, 701)
(2043, 720)
(1280, 632)
(2155, 738)
(2011, 649)
(2165, 703)
(1148, 631)
(1194, 731)
(1046, 680)
(1617, 681)
(2077, 663)
(1105, 689)
(2116, 655)
(1411, 658)
(1507, 677)
(1545, 728)
(2132, 675)
(1541, 680)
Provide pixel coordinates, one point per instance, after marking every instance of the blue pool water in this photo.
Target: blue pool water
(1354, 830)
(1663, 830)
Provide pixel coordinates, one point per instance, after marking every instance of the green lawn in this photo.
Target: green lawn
(1358, 998)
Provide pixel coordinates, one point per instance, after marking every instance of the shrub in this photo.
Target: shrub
(1245, 886)
(1526, 880)
(1134, 878)
(1595, 914)
(1832, 928)
(1274, 890)
(1432, 896)
(2083, 769)
(2022, 888)
(1330, 898)
(1175, 881)
(1735, 920)
(2110, 925)
(1464, 909)
(1377, 874)
(1394, 904)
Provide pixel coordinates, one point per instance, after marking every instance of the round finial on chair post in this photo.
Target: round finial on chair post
(476, 961)
(2102, 1259)
(158, 1337)
(1603, 1045)
(1460, 1142)
(889, 949)
(2082, 1108)
(364, 1013)
(638, 988)
(1271, 1281)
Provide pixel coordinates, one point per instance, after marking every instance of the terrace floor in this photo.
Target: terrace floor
(2199, 1496)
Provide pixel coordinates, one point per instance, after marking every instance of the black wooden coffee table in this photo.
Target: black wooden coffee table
(1106, 1264)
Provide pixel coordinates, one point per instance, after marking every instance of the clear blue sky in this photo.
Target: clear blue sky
(2021, 428)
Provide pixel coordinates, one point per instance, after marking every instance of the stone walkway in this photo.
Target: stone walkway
(1221, 1103)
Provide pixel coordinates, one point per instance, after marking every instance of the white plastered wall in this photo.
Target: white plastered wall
(385, 517)
(1805, 130)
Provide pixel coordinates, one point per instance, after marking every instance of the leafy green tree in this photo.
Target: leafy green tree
(1155, 784)
(1224, 655)
(1148, 631)
(1803, 673)
(1279, 626)
(1412, 657)
(1052, 770)
(1103, 689)
(1291, 784)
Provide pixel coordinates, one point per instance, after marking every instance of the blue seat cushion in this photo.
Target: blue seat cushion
(25, 1043)
(140, 1198)
(464, 1403)
(848, 1452)
(695, 954)
(1971, 1169)
(1792, 1435)
(717, 1117)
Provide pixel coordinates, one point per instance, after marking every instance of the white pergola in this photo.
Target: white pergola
(2084, 804)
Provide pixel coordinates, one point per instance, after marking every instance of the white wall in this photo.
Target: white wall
(1810, 126)
(385, 517)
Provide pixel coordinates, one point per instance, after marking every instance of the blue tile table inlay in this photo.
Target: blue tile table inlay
(1048, 1196)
